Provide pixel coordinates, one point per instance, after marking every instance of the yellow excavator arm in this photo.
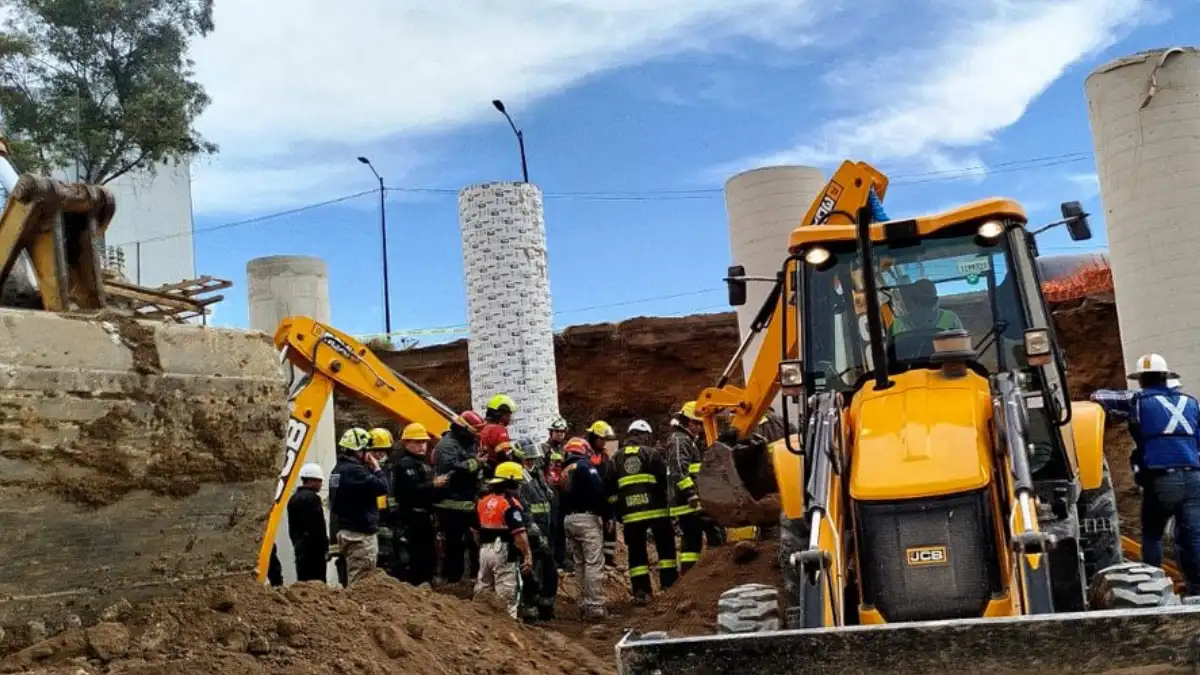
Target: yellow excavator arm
(331, 360)
(846, 192)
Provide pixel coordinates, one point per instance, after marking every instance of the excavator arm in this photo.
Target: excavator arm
(329, 360)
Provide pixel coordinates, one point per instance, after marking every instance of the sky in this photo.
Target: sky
(635, 113)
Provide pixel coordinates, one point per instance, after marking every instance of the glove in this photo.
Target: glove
(694, 501)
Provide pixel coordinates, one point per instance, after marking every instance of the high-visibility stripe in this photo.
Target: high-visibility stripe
(683, 510)
(639, 571)
(635, 479)
(689, 557)
(686, 483)
(451, 505)
(632, 450)
(639, 516)
(612, 499)
(667, 564)
(543, 507)
(694, 467)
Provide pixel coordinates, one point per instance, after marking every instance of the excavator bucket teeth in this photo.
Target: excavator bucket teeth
(134, 457)
(1119, 642)
(735, 485)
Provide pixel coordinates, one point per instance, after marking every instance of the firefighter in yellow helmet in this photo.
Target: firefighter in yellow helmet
(505, 556)
(414, 489)
(500, 409)
(683, 463)
(381, 445)
(599, 436)
(355, 486)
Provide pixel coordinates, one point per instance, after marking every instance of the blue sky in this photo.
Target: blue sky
(622, 103)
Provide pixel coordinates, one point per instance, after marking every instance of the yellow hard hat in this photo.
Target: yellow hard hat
(502, 403)
(602, 429)
(381, 438)
(508, 471)
(355, 438)
(414, 432)
(689, 411)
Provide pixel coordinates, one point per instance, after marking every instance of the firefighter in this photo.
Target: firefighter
(382, 442)
(642, 504)
(413, 492)
(454, 460)
(551, 448)
(599, 435)
(306, 525)
(552, 451)
(537, 601)
(495, 447)
(505, 554)
(500, 409)
(683, 462)
(355, 487)
(584, 502)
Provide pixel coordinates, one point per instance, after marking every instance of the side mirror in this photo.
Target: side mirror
(1077, 221)
(735, 280)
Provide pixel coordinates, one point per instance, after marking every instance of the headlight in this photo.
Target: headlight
(1037, 346)
(791, 374)
(816, 256)
(991, 229)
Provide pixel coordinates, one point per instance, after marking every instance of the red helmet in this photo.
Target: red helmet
(471, 421)
(577, 446)
(494, 438)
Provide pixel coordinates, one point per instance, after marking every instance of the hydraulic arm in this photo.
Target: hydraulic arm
(328, 360)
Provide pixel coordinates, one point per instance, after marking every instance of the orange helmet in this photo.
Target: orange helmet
(494, 438)
(577, 446)
(471, 421)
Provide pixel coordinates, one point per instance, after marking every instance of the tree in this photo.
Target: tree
(102, 85)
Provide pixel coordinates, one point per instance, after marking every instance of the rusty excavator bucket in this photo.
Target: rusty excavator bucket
(135, 456)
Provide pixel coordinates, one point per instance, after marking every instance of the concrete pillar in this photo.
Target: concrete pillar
(511, 350)
(764, 206)
(1145, 118)
(282, 286)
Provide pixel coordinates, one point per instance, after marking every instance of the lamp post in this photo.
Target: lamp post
(387, 305)
(499, 105)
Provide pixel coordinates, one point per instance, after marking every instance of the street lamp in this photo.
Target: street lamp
(387, 305)
(499, 105)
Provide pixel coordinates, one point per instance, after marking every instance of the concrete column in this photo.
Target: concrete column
(279, 287)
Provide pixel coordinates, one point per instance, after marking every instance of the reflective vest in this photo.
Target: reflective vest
(946, 320)
(1166, 429)
(641, 484)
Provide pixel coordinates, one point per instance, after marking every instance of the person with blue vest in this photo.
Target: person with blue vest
(1165, 425)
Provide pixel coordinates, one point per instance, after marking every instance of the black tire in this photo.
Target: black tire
(749, 608)
(1099, 527)
(1131, 585)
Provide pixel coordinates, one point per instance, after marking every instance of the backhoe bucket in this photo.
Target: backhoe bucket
(1126, 642)
(736, 485)
(134, 457)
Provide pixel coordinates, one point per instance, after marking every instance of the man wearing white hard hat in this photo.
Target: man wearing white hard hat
(306, 525)
(1165, 425)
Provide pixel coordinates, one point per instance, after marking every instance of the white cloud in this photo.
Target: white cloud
(933, 104)
(1087, 185)
(298, 86)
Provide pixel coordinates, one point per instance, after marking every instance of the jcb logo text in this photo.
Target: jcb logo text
(919, 556)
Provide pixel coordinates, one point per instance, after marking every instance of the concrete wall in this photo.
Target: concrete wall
(1145, 120)
(764, 206)
(155, 210)
(282, 286)
(508, 302)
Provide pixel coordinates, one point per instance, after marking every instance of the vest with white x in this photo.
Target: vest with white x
(1166, 429)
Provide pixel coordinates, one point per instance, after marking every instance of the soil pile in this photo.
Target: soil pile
(378, 627)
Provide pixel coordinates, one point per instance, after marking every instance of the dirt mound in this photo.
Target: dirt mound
(378, 627)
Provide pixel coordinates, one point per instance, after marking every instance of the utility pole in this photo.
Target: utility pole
(387, 305)
(499, 105)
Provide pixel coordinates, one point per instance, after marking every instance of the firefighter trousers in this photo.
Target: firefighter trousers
(636, 536)
(458, 543)
(692, 540)
(539, 595)
(415, 556)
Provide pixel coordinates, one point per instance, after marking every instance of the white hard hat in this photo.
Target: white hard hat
(312, 471)
(1152, 363)
(1174, 383)
(640, 425)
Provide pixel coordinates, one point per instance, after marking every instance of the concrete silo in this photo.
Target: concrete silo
(1145, 119)
(764, 206)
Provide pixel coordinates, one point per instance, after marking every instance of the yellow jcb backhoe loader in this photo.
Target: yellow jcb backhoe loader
(328, 360)
(944, 506)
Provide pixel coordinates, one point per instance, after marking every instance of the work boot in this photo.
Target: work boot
(594, 613)
(546, 612)
(641, 598)
(528, 614)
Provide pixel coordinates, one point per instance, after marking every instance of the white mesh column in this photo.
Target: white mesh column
(511, 349)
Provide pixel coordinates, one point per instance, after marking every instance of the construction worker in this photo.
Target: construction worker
(306, 525)
(537, 602)
(1165, 424)
(505, 555)
(382, 442)
(454, 460)
(355, 487)
(500, 409)
(683, 462)
(922, 311)
(598, 436)
(643, 508)
(413, 493)
(584, 502)
(553, 465)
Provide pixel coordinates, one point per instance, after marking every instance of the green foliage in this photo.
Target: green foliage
(103, 84)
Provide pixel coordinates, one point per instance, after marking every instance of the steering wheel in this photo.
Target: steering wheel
(915, 344)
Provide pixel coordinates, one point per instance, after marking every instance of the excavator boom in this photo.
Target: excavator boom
(328, 361)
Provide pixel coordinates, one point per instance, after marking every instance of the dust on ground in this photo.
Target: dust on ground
(378, 627)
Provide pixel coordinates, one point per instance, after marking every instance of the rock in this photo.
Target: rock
(595, 632)
(258, 644)
(685, 607)
(74, 622)
(415, 629)
(392, 641)
(118, 611)
(107, 641)
(744, 552)
(287, 627)
(37, 631)
(298, 641)
(153, 638)
(41, 651)
(223, 599)
(235, 638)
